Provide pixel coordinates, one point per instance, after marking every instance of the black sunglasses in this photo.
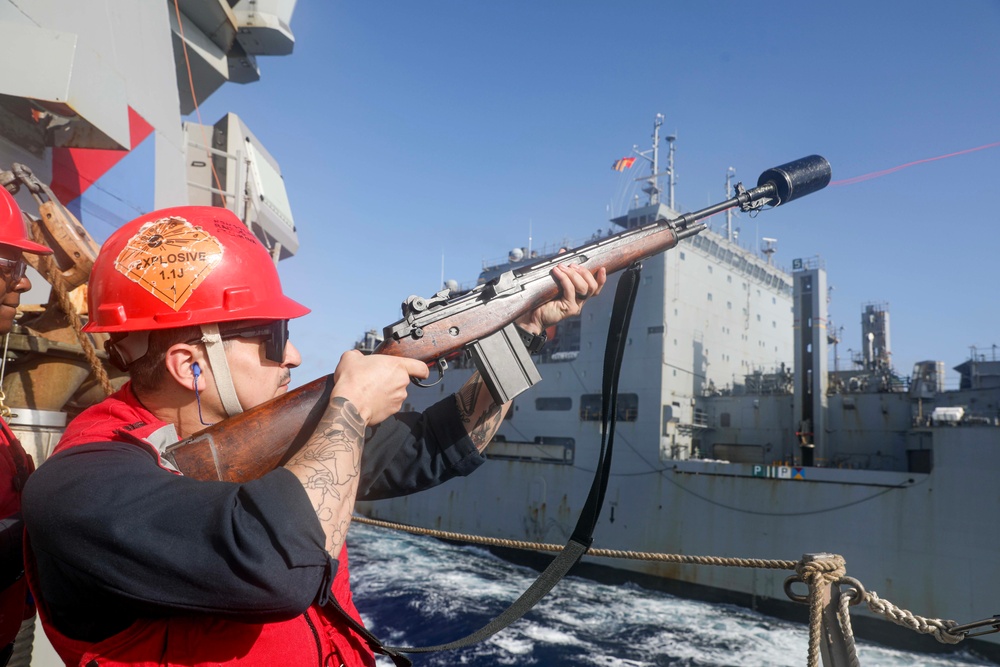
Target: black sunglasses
(275, 335)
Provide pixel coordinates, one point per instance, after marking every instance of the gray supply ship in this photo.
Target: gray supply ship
(735, 439)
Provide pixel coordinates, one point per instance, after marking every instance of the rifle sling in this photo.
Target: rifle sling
(582, 537)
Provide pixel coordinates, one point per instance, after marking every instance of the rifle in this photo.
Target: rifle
(481, 320)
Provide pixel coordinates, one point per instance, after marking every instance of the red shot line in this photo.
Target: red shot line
(876, 174)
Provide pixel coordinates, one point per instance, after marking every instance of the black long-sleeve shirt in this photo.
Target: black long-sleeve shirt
(116, 537)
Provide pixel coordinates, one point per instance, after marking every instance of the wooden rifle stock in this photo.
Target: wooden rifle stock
(255, 442)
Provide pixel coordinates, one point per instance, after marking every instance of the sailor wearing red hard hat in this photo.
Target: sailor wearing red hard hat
(15, 464)
(133, 563)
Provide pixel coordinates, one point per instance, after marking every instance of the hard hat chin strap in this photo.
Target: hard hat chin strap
(220, 369)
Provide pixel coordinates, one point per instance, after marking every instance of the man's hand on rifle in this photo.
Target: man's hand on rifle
(375, 384)
(578, 284)
(481, 416)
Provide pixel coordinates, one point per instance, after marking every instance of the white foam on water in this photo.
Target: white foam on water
(418, 583)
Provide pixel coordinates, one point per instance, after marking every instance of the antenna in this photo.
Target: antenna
(730, 172)
(671, 138)
(652, 187)
(769, 248)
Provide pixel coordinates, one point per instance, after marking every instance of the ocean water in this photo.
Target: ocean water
(414, 590)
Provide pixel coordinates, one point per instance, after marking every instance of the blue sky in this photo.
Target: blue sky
(410, 132)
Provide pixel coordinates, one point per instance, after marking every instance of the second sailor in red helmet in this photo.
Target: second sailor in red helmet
(15, 464)
(132, 563)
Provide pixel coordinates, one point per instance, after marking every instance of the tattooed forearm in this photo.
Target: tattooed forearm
(328, 467)
(486, 426)
(468, 397)
(481, 416)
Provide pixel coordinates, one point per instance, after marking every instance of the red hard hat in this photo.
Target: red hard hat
(183, 266)
(13, 231)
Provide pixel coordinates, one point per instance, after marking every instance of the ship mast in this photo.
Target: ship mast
(652, 188)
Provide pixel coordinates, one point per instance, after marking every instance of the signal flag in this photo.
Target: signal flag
(623, 164)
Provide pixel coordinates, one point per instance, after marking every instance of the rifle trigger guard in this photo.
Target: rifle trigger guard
(442, 366)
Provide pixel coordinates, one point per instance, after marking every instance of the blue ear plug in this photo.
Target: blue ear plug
(196, 370)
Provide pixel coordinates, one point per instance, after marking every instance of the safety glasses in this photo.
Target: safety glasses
(13, 270)
(275, 335)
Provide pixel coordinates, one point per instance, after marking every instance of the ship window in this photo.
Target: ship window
(590, 407)
(544, 449)
(738, 453)
(682, 254)
(655, 330)
(709, 296)
(725, 419)
(710, 268)
(628, 407)
(554, 403)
